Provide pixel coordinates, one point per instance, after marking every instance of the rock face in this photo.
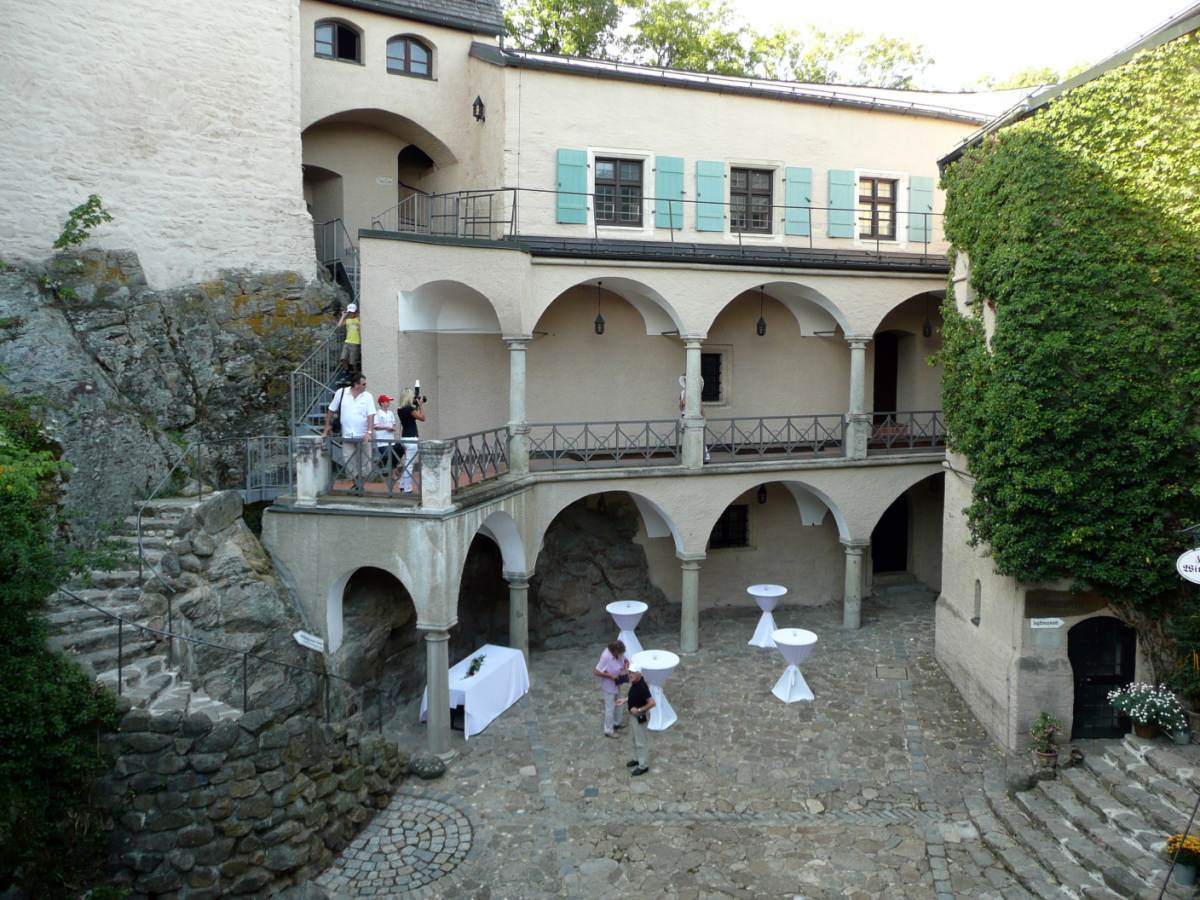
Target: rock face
(128, 375)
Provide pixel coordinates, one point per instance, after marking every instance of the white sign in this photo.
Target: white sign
(1045, 623)
(1188, 565)
(383, 180)
(311, 641)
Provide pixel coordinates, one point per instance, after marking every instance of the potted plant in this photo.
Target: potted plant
(1043, 732)
(1184, 851)
(1151, 708)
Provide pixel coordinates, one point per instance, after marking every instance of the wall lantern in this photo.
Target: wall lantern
(599, 323)
(927, 328)
(478, 109)
(762, 493)
(761, 325)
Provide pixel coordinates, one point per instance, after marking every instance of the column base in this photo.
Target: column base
(448, 757)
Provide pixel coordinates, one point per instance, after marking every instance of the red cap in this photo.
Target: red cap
(384, 398)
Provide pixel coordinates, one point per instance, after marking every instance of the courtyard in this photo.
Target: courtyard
(860, 793)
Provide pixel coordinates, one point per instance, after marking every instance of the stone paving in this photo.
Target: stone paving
(858, 794)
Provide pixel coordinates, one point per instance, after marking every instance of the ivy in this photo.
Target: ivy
(80, 221)
(1079, 421)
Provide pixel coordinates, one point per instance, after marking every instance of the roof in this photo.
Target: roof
(975, 107)
(1184, 23)
(475, 16)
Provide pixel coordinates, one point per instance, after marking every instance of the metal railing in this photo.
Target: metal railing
(775, 435)
(568, 445)
(313, 383)
(907, 431)
(379, 468)
(246, 656)
(478, 457)
(270, 468)
(478, 214)
(336, 251)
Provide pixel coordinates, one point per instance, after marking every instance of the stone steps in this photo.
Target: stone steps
(1028, 872)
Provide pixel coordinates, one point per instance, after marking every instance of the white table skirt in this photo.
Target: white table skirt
(766, 596)
(501, 681)
(626, 614)
(657, 666)
(795, 644)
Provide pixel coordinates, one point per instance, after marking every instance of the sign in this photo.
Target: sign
(1046, 623)
(311, 641)
(383, 180)
(1188, 565)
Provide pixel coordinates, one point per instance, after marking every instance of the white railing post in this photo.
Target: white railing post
(437, 480)
(314, 471)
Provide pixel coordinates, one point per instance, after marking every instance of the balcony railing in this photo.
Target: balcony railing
(907, 431)
(478, 457)
(378, 469)
(774, 436)
(574, 445)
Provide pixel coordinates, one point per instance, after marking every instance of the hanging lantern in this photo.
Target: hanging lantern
(599, 323)
(762, 493)
(761, 325)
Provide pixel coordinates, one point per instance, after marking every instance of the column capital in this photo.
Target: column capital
(858, 341)
(435, 633)
(694, 341)
(691, 560)
(517, 341)
(518, 579)
(856, 548)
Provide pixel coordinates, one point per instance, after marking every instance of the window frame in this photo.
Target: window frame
(725, 384)
(743, 527)
(408, 40)
(873, 202)
(337, 24)
(617, 183)
(749, 193)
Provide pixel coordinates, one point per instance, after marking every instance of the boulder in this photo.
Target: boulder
(427, 766)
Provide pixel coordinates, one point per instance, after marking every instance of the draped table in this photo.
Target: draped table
(795, 644)
(501, 681)
(657, 666)
(627, 614)
(766, 596)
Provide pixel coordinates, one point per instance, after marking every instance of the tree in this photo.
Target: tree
(811, 56)
(572, 27)
(1030, 76)
(889, 62)
(695, 35)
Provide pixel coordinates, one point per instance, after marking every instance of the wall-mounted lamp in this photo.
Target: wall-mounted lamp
(601, 505)
(761, 325)
(927, 328)
(599, 323)
(478, 109)
(762, 493)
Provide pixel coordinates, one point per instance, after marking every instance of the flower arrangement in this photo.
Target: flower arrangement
(1042, 731)
(1149, 705)
(1188, 848)
(476, 665)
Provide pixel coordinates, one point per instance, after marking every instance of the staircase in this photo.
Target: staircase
(95, 639)
(1099, 828)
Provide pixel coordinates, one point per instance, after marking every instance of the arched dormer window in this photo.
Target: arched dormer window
(409, 56)
(337, 40)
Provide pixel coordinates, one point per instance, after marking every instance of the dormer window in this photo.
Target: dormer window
(337, 40)
(409, 56)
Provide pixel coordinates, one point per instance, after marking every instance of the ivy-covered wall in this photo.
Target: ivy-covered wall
(1079, 422)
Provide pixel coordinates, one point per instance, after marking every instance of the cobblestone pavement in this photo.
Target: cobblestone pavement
(858, 794)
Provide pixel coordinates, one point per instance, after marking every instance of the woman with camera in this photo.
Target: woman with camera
(410, 413)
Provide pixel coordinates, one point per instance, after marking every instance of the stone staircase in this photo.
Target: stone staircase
(94, 639)
(1099, 828)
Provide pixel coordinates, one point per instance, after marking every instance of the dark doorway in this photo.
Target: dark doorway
(889, 540)
(1101, 651)
(887, 366)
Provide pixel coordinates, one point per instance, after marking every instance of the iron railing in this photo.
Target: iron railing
(270, 468)
(380, 468)
(313, 383)
(477, 214)
(775, 435)
(478, 457)
(569, 445)
(337, 252)
(246, 656)
(907, 431)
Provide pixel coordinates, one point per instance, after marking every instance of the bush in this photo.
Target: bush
(1043, 731)
(1149, 705)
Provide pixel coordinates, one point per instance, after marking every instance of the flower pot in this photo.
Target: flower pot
(1045, 760)
(1194, 721)
(1147, 730)
(1185, 874)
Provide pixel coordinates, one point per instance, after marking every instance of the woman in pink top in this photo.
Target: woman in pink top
(612, 670)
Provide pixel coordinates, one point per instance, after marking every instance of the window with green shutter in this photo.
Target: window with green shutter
(797, 198)
(920, 205)
(668, 189)
(571, 198)
(841, 203)
(710, 195)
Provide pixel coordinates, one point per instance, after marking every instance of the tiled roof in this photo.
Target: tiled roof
(476, 16)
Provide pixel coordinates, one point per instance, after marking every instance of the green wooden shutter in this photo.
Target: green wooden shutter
(841, 203)
(668, 185)
(920, 201)
(571, 200)
(710, 192)
(797, 197)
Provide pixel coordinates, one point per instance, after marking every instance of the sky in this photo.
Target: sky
(970, 38)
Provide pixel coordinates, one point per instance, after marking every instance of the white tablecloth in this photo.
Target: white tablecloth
(627, 614)
(501, 681)
(766, 596)
(795, 644)
(657, 666)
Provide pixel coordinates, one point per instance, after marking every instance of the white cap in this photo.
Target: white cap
(634, 667)
(353, 307)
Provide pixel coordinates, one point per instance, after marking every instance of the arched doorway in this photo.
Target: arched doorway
(889, 540)
(1102, 651)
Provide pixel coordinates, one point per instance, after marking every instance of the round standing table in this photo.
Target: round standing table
(766, 596)
(627, 614)
(795, 644)
(657, 666)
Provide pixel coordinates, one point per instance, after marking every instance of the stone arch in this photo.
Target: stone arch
(408, 130)
(658, 314)
(932, 298)
(885, 500)
(805, 495)
(334, 602)
(448, 307)
(657, 522)
(503, 530)
(815, 313)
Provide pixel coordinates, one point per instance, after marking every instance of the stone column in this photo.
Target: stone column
(689, 613)
(314, 470)
(852, 601)
(693, 421)
(858, 420)
(518, 426)
(437, 482)
(518, 611)
(437, 675)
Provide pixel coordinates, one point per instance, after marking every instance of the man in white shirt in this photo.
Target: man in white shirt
(356, 407)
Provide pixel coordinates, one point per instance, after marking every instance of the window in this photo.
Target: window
(408, 56)
(337, 40)
(750, 200)
(732, 529)
(619, 192)
(710, 374)
(877, 208)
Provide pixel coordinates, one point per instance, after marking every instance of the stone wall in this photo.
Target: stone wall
(249, 806)
(184, 118)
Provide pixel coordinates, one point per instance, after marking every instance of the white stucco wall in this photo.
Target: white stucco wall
(184, 118)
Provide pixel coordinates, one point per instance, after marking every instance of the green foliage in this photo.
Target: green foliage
(80, 222)
(1079, 421)
(50, 713)
(889, 62)
(573, 27)
(1043, 731)
(697, 35)
(811, 55)
(1030, 76)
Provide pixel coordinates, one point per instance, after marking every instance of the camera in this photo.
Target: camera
(417, 392)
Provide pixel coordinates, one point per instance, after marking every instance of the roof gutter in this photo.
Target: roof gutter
(474, 26)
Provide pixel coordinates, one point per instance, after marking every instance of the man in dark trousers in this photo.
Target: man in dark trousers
(639, 703)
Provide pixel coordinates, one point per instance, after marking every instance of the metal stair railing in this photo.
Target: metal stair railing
(315, 377)
(337, 252)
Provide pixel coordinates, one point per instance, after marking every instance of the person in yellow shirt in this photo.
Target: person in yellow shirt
(351, 357)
